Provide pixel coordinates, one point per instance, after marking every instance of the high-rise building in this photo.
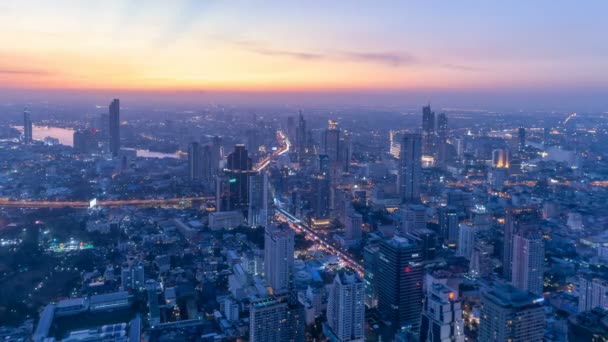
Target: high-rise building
(466, 240)
(153, 307)
(528, 259)
(448, 223)
(258, 200)
(500, 158)
(370, 262)
(592, 293)
(516, 220)
(132, 277)
(352, 225)
(331, 141)
(195, 165)
(481, 261)
(399, 278)
(428, 131)
(410, 168)
(114, 129)
(268, 321)
(238, 169)
(301, 137)
(278, 257)
(320, 200)
(27, 127)
(291, 129)
(216, 155)
(510, 314)
(346, 309)
(442, 139)
(521, 139)
(442, 315)
(413, 218)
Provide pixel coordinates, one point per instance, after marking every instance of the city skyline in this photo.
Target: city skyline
(390, 52)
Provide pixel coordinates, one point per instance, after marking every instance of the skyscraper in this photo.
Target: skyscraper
(257, 215)
(410, 168)
(510, 314)
(521, 139)
(278, 257)
(346, 309)
(528, 259)
(216, 155)
(238, 169)
(320, 196)
(291, 129)
(466, 240)
(428, 131)
(268, 321)
(592, 292)
(195, 166)
(370, 261)
(516, 220)
(442, 315)
(442, 136)
(301, 137)
(27, 127)
(399, 278)
(331, 141)
(448, 223)
(114, 128)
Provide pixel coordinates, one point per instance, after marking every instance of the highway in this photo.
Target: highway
(300, 226)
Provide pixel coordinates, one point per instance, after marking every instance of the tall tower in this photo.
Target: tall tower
(466, 240)
(410, 168)
(238, 169)
(258, 200)
(521, 139)
(331, 141)
(510, 314)
(442, 136)
(278, 257)
(399, 281)
(194, 162)
(516, 220)
(428, 131)
(346, 308)
(301, 136)
(528, 258)
(114, 128)
(320, 196)
(27, 127)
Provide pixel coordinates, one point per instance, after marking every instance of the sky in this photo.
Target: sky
(488, 49)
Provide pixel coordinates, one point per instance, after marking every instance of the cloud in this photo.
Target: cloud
(460, 67)
(386, 58)
(30, 72)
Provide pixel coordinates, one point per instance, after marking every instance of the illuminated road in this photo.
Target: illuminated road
(300, 226)
(284, 146)
(108, 204)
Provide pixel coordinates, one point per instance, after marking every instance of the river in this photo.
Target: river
(66, 137)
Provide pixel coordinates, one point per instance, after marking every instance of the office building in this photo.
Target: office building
(413, 218)
(521, 139)
(428, 131)
(448, 223)
(399, 278)
(238, 170)
(442, 315)
(410, 169)
(28, 127)
(442, 140)
(510, 314)
(278, 257)
(501, 159)
(331, 141)
(370, 262)
(352, 225)
(516, 220)
(592, 293)
(528, 260)
(195, 164)
(216, 155)
(268, 321)
(132, 277)
(114, 129)
(320, 196)
(301, 137)
(258, 213)
(466, 240)
(346, 309)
